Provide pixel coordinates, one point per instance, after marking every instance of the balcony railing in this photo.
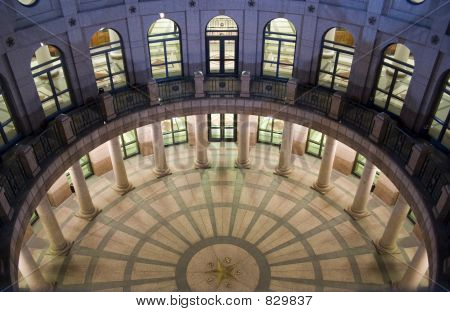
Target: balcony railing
(358, 116)
(268, 89)
(47, 143)
(433, 175)
(316, 99)
(85, 118)
(13, 180)
(174, 90)
(130, 99)
(222, 86)
(399, 143)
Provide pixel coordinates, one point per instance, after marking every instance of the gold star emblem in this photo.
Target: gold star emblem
(223, 271)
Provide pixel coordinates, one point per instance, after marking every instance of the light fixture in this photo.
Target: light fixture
(42, 44)
(162, 15)
(102, 29)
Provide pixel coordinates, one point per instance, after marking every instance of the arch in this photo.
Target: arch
(165, 50)
(279, 46)
(380, 157)
(49, 73)
(108, 62)
(394, 76)
(338, 48)
(222, 46)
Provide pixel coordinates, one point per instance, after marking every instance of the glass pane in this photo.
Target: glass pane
(166, 126)
(446, 139)
(173, 51)
(325, 80)
(157, 53)
(180, 137)
(100, 67)
(174, 69)
(271, 50)
(104, 83)
(10, 131)
(285, 71)
(229, 120)
(215, 133)
(229, 66)
(59, 81)
(264, 137)
(43, 87)
(49, 107)
(4, 111)
(401, 85)
(385, 80)
(230, 49)
(269, 69)
(131, 150)
(214, 66)
(313, 149)
(443, 108)
(265, 123)
(116, 62)
(278, 125)
(229, 133)
(215, 120)
(328, 60)
(380, 99)
(64, 100)
(129, 137)
(119, 80)
(168, 140)
(435, 130)
(276, 139)
(287, 52)
(395, 106)
(159, 71)
(214, 49)
(180, 123)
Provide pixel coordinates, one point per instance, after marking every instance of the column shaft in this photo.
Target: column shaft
(58, 244)
(31, 272)
(388, 242)
(122, 185)
(201, 141)
(285, 161)
(358, 208)
(415, 271)
(161, 169)
(323, 184)
(243, 159)
(86, 206)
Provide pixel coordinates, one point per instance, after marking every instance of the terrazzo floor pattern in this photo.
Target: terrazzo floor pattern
(151, 238)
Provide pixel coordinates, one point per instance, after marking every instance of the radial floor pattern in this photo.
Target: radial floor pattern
(222, 229)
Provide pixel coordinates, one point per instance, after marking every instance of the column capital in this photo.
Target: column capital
(245, 84)
(27, 158)
(198, 81)
(107, 106)
(380, 125)
(153, 91)
(418, 155)
(64, 126)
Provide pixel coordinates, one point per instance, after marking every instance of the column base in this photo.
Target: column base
(322, 189)
(381, 250)
(122, 190)
(357, 215)
(283, 172)
(244, 165)
(161, 173)
(61, 252)
(199, 165)
(90, 216)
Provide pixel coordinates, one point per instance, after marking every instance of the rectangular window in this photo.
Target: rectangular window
(174, 131)
(270, 130)
(315, 143)
(358, 167)
(129, 144)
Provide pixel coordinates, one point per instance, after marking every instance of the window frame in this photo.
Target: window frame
(445, 89)
(258, 134)
(320, 143)
(266, 34)
(222, 127)
(4, 92)
(123, 144)
(164, 42)
(173, 132)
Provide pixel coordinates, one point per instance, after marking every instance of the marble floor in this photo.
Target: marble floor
(223, 229)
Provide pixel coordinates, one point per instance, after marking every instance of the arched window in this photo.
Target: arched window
(338, 47)
(440, 124)
(279, 48)
(49, 74)
(222, 42)
(394, 78)
(107, 59)
(8, 131)
(164, 44)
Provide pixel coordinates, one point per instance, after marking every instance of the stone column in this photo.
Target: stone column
(243, 141)
(415, 271)
(285, 161)
(201, 141)
(161, 169)
(358, 208)
(323, 184)
(387, 244)
(86, 210)
(58, 244)
(31, 273)
(122, 185)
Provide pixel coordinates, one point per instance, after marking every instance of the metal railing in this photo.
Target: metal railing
(222, 86)
(131, 99)
(357, 116)
(398, 142)
(173, 90)
(316, 99)
(85, 118)
(13, 180)
(268, 89)
(433, 176)
(47, 143)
